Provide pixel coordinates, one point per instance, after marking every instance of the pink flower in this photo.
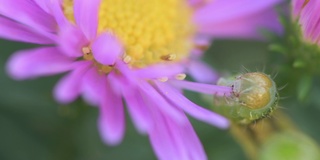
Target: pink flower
(307, 14)
(138, 51)
(237, 19)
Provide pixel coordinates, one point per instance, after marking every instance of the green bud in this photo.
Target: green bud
(290, 145)
(254, 97)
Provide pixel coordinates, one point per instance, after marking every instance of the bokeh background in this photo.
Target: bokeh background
(35, 127)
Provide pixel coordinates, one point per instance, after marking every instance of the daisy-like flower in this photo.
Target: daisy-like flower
(307, 13)
(136, 50)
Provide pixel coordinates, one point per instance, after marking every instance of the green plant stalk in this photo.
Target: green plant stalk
(255, 138)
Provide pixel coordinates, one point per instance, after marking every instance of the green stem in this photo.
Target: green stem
(251, 137)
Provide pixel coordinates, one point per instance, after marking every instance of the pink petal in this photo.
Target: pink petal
(43, 5)
(194, 110)
(106, 49)
(201, 42)
(310, 21)
(198, 3)
(162, 140)
(15, 31)
(203, 88)
(32, 63)
(202, 72)
(137, 108)
(69, 87)
(28, 13)
(90, 99)
(231, 9)
(71, 41)
(187, 141)
(159, 71)
(175, 141)
(244, 27)
(86, 15)
(111, 120)
(127, 72)
(297, 7)
(193, 144)
(233, 18)
(92, 86)
(56, 11)
(157, 100)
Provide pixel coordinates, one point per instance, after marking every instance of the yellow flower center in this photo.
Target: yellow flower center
(152, 31)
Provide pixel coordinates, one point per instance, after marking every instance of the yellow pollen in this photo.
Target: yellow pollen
(127, 59)
(163, 79)
(152, 31)
(181, 76)
(87, 55)
(105, 69)
(169, 57)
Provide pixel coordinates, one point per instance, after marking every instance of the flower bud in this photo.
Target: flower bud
(254, 96)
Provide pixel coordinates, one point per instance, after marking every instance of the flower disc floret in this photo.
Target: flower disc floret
(152, 31)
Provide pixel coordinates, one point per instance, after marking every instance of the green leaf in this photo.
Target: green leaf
(304, 87)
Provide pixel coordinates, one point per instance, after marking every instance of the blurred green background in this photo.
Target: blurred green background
(35, 127)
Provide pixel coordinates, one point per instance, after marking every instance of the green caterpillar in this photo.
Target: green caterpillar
(254, 96)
